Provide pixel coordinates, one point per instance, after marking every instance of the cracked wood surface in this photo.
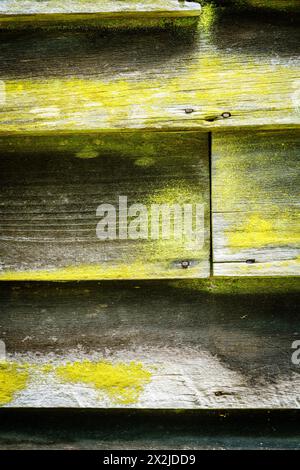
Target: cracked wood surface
(205, 349)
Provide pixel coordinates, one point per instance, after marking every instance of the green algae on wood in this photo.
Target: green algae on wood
(123, 383)
(51, 233)
(239, 285)
(107, 14)
(262, 231)
(13, 379)
(142, 270)
(234, 338)
(92, 104)
(254, 79)
(255, 203)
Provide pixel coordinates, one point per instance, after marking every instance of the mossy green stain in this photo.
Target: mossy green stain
(239, 285)
(94, 104)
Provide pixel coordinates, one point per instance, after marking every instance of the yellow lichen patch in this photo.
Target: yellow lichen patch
(135, 270)
(218, 82)
(192, 245)
(13, 379)
(208, 17)
(258, 232)
(46, 368)
(123, 383)
(69, 273)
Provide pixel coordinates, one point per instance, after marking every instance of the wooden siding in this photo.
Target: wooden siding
(50, 192)
(87, 14)
(202, 348)
(60, 82)
(255, 203)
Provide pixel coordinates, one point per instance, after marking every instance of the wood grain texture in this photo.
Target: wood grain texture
(204, 350)
(50, 191)
(60, 82)
(255, 203)
(173, 7)
(33, 14)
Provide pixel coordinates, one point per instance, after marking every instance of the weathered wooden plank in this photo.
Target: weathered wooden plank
(60, 82)
(148, 345)
(272, 5)
(255, 203)
(104, 7)
(33, 14)
(51, 189)
(142, 429)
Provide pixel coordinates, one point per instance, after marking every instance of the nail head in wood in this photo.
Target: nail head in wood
(185, 264)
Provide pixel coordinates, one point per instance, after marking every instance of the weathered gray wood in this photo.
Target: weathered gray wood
(83, 81)
(50, 191)
(121, 7)
(204, 349)
(255, 203)
(149, 430)
(24, 14)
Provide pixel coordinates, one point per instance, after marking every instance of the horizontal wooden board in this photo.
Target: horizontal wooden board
(255, 203)
(272, 5)
(58, 82)
(121, 7)
(51, 189)
(201, 349)
(73, 429)
(281, 6)
(16, 14)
